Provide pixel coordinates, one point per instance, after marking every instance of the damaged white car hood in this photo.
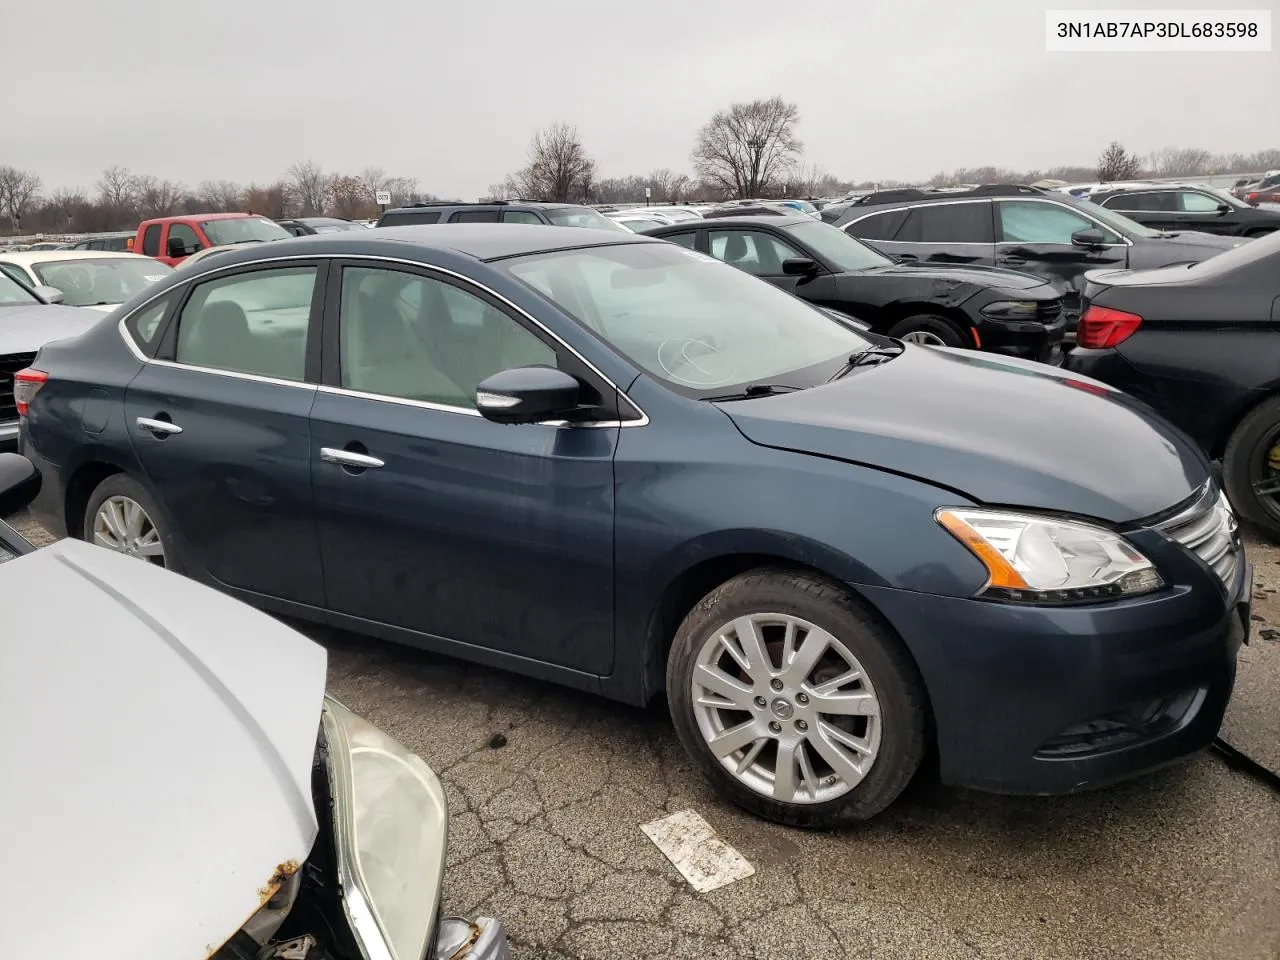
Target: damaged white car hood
(156, 754)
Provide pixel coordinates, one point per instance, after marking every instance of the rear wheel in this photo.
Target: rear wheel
(1251, 467)
(122, 516)
(794, 701)
(929, 330)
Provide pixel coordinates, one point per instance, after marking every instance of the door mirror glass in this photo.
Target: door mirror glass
(50, 294)
(19, 483)
(799, 266)
(176, 247)
(528, 395)
(1088, 238)
(1224, 208)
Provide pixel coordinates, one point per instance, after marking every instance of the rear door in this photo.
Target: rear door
(960, 231)
(1156, 208)
(1034, 236)
(220, 423)
(436, 520)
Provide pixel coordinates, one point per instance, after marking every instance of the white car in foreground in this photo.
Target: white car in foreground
(97, 279)
(178, 785)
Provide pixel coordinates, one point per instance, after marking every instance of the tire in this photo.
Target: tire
(822, 797)
(123, 489)
(1245, 462)
(928, 329)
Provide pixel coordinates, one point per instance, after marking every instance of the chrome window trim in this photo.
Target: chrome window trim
(123, 330)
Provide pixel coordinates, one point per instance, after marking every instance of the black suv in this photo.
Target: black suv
(1189, 207)
(1042, 232)
(973, 307)
(499, 211)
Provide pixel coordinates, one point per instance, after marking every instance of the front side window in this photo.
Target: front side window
(757, 253)
(687, 319)
(835, 245)
(416, 337)
(1193, 201)
(948, 223)
(254, 323)
(100, 281)
(1023, 221)
(520, 216)
(180, 231)
(15, 274)
(151, 241)
(689, 239)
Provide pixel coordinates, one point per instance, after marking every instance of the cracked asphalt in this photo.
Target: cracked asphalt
(1184, 863)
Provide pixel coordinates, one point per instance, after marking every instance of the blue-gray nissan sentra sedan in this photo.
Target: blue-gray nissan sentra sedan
(615, 463)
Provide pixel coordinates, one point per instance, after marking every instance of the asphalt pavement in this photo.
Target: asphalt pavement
(548, 789)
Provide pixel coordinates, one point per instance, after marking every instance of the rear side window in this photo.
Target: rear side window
(144, 325)
(254, 323)
(520, 216)
(689, 239)
(475, 216)
(409, 219)
(878, 226)
(1140, 202)
(948, 223)
(151, 241)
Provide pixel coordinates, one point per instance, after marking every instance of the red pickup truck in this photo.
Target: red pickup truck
(172, 239)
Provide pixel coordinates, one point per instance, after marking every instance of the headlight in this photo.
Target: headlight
(390, 831)
(1012, 310)
(1045, 560)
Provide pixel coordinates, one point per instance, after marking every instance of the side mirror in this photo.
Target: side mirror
(528, 395)
(1224, 208)
(50, 294)
(800, 267)
(1088, 238)
(176, 247)
(19, 483)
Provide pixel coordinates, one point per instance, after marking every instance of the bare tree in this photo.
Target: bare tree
(118, 188)
(349, 199)
(157, 198)
(749, 148)
(18, 190)
(1116, 163)
(559, 168)
(311, 187)
(220, 196)
(1192, 162)
(271, 200)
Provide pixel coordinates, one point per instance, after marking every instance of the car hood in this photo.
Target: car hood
(998, 430)
(158, 745)
(962, 273)
(27, 329)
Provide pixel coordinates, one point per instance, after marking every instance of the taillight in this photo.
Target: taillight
(1251, 197)
(1102, 327)
(26, 384)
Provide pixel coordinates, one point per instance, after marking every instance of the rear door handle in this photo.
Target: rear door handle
(1013, 260)
(348, 459)
(158, 426)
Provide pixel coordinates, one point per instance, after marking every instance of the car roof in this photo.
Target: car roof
(204, 216)
(45, 256)
(725, 223)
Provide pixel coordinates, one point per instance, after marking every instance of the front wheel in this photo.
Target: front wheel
(794, 701)
(928, 330)
(1251, 467)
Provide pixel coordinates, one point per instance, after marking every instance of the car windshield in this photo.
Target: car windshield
(582, 217)
(1116, 221)
(12, 292)
(698, 324)
(96, 281)
(834, 244)
(243, 230)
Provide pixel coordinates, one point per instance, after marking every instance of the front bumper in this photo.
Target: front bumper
(1033, 700)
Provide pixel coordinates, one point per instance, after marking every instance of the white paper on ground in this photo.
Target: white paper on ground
(702, 858)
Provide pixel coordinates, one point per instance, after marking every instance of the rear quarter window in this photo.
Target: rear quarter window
(147, 324)
(409, 218)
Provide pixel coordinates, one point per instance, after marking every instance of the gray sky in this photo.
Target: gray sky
(450, 92)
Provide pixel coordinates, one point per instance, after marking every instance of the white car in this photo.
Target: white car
(97, 279)
(177, 784)
(639, 221)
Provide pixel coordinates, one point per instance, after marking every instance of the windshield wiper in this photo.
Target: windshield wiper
(752, 390)
(867, 358)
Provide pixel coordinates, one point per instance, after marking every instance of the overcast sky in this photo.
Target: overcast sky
(450, 92)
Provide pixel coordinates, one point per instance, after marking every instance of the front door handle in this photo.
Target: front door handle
(348, 459)
(1013, 260)
(164, 427)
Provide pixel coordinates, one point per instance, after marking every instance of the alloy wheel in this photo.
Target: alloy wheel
(122, 525)
(786, 708)
(923, 337)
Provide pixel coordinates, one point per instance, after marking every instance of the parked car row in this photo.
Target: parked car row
(620, 463)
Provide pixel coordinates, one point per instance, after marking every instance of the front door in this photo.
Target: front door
(436, 520)
(1034, 236)
(1205, 213)
(220, 425)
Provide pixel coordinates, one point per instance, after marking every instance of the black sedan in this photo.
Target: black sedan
(948, 306)
(1200, 344)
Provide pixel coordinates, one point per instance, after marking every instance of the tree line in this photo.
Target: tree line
(746, 150)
